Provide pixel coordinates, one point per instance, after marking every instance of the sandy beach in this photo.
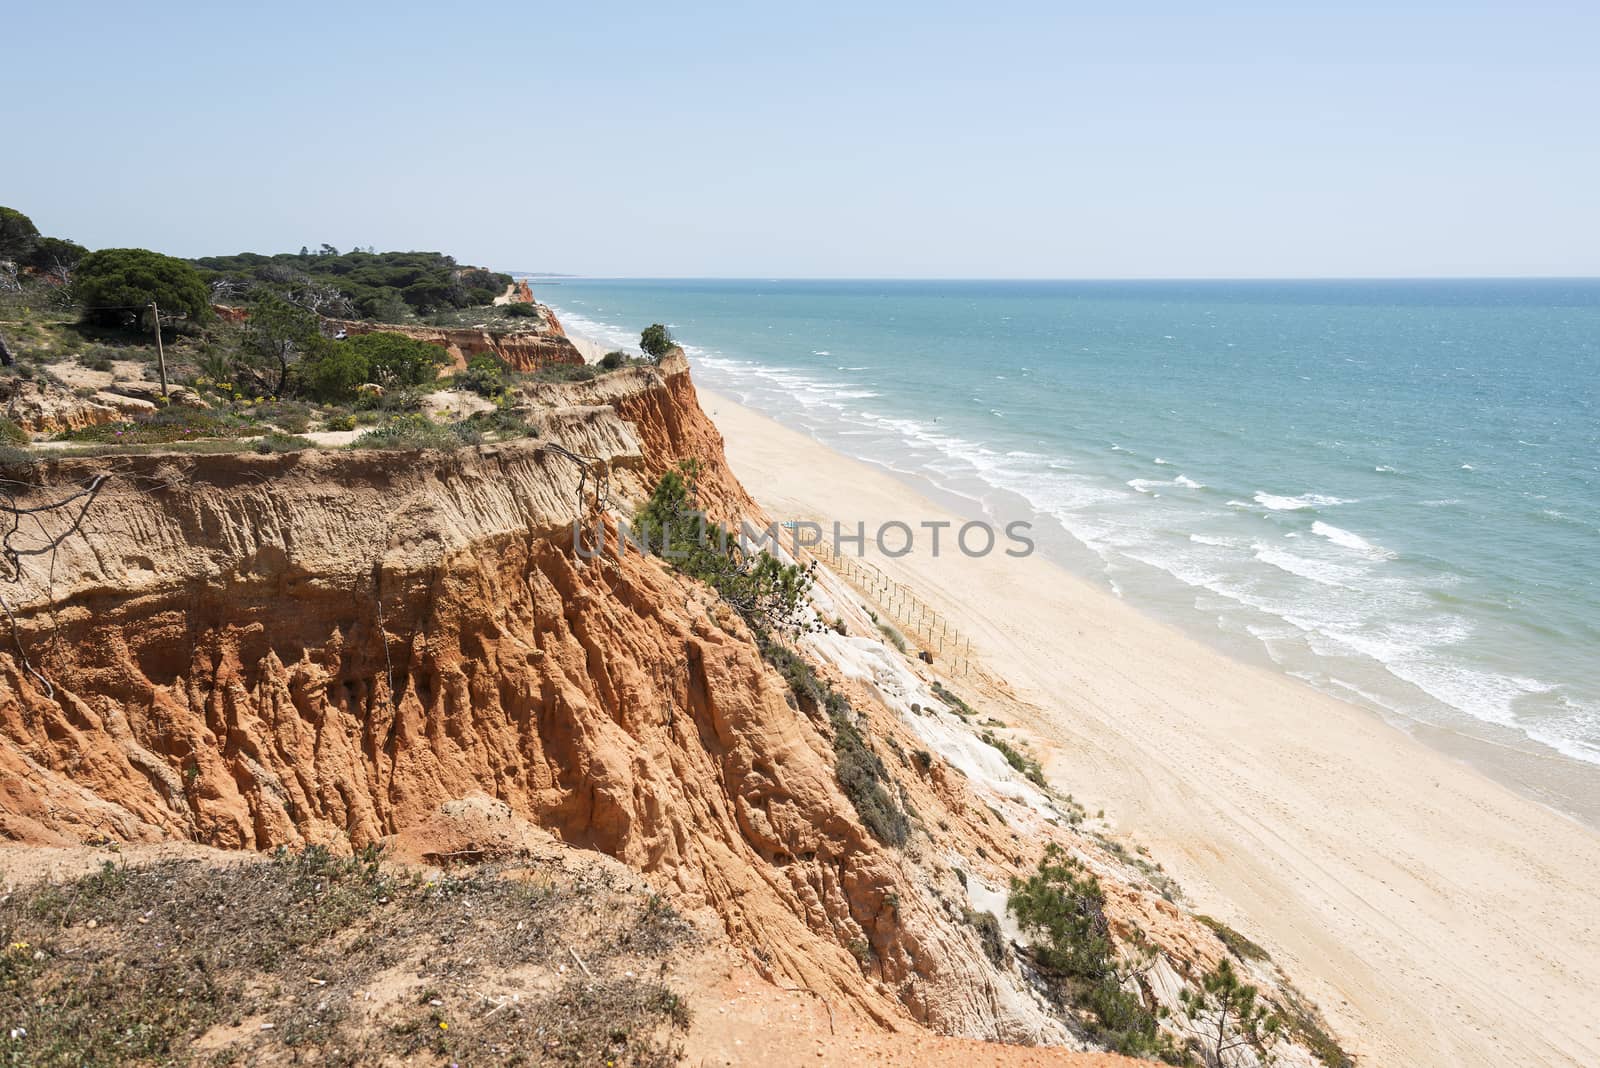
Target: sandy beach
(1438, 917)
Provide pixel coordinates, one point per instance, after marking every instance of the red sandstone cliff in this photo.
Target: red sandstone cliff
(326, 647)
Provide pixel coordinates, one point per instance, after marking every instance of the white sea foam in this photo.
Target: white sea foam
(1384, 469)
(1295, 504)
(1342, 537)
(1319, 571)
(1149, 485)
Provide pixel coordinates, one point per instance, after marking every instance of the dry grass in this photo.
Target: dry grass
(307, 958)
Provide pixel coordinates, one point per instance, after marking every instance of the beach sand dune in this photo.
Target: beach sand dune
(1437, 917)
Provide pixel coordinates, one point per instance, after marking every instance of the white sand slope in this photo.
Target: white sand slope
(1437, 917)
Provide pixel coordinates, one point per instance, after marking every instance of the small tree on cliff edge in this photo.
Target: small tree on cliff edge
(656, 341)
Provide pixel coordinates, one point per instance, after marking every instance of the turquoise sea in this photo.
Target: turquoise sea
(1390, 489)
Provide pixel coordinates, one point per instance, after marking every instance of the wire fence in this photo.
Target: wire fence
(914, 616)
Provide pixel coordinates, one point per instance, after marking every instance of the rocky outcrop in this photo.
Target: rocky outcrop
(45, 408)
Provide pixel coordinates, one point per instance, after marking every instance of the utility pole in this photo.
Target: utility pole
(161, 355)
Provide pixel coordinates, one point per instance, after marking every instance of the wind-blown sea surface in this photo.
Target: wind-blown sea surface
(1389, 488)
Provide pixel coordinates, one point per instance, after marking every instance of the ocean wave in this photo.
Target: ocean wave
(1384, 469)
(1149, 485)
(1321, 572)
(1340, 536)
(1295, 504)
(594, 330)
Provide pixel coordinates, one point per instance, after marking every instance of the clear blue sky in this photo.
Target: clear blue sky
(913, 140)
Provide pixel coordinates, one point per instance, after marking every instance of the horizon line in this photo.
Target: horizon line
(553, 275)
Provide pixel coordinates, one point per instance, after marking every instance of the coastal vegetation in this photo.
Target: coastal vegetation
(858, 770)
(1062, 907)
(361, 284)
(1025, 763)
(656, 341)
(116, 286)
(279, 958)
(771, 597)
(277, 369)
(768, 594)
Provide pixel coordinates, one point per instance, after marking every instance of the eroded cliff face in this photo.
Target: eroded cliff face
(328, 647)
(252, 651)
(520, 350)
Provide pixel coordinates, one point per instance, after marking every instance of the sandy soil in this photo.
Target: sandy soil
(742, 1019)
(1437, 917)
(591, 351)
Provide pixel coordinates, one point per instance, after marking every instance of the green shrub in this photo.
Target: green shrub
(417, 431)
(1236, 1019)
(565, 372)
(276, 442)
(1063, 908)
(896, 639)
(12, 434)
(292, 417)
(956, 704)
(520, 310)
(397, 360)
(336, 369)
(484, 375)
(767, 593)
(859, 772)
(989, 934)
(167, 426)
(12, 455)
(343, 421)
(1019, 761)
(1237, 944)
(333, 374)
(503, 422)
(612, 360)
